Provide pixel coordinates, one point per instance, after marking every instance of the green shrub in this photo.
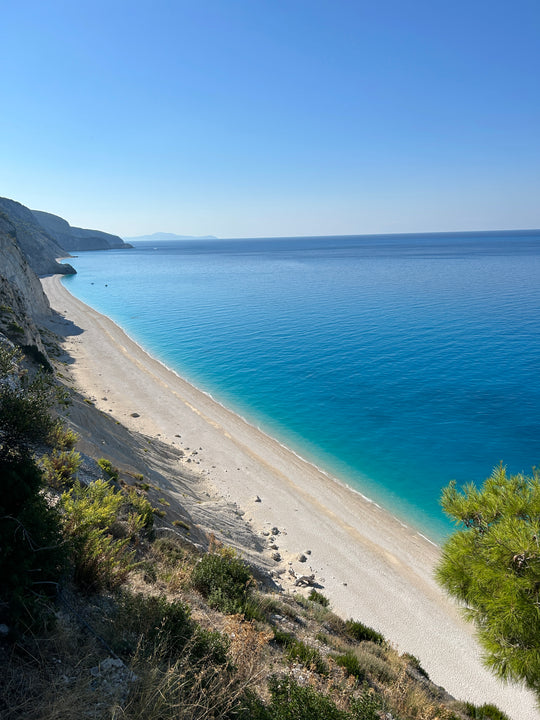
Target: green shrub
(358, 631)
(99, 560)
(210, 646)
(93, 505)
(224, 579)
(60, 467)
(141, 506)
(25, 403)
(319, 598)
(169, 551)
(145, 623)
(111, 472)
(31, 549)
(62, 437)
(308, 656)
(415, 663)
(182, 524)
(296, 650)
(156, 628)
(368, 706)
(15, 328)
(366, 659)
(485, 712)
(351, 664)
(283, 638)
(32, 554)
(290, 701)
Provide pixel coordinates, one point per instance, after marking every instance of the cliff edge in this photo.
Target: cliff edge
(74, 238)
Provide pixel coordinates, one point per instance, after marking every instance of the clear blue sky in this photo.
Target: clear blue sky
(273, 117)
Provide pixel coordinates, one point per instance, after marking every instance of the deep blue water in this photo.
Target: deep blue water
(397, 363)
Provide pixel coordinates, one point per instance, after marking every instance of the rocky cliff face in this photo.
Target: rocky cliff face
(22, 300)
(74, 238)
(30, 242)
(40, 249)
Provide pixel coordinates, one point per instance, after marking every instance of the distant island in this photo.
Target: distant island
(159, 236)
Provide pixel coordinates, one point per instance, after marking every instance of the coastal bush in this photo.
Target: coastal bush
(31, 550)
(492, 564)
(99, 560)
(110, 471)
(359, 632)
(319, 598)
(484, 712)
(62, 437)
(141, 506)
(296, 650)
(32, 553)
(415, 663)
(154, 627)
(145, 623)
(60, 467)
(351, 664)
(25, 403)
(224, 579)
(291, 701)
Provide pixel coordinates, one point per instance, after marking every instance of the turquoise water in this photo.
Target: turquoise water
(396, 363)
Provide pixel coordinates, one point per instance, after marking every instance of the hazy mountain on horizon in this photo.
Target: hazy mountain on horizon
(169, 236)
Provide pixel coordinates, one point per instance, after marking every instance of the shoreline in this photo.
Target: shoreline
(429, 533)
(372, 566)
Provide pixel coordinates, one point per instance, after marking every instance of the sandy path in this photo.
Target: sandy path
(371, 566)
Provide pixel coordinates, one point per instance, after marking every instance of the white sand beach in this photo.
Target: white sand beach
(370, 566)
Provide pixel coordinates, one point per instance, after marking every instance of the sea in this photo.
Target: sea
(396, 363)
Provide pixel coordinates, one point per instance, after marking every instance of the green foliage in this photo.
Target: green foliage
(32, 555)
(368, 706)
(415, 663)
(485, 712)
(366, 662)
(290, 701)
(25, 403)
(224, 579)
(154, 627)
(15, 328)
(169, 551)
(182, 524)
(319, 598)
(146, 622)
(359, 632)
(351, 664)
(31, 552)
(492, 565)
(60, 467)
(296, 650)
(111, 472)
(99, 560)
(142, 507)
(62, 437)
(89, 506)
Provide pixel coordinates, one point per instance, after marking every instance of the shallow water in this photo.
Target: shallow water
(396, 363)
